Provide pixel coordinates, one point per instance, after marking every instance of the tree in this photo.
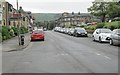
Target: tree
(51, 24)
(114, 9)
(103, 9)
(39, 24)
(46, 24)
(99, 9)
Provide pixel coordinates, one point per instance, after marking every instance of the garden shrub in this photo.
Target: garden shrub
(15, 29)
(100, 25)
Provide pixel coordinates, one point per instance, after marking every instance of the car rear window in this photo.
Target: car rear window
(37, 31)
(105, 31)
(81, 30)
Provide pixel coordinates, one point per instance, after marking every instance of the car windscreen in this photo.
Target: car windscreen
(105, 31)
(37, 32)
(81, 30)
(118, 31)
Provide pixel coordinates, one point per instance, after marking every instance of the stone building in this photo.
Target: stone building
(73, 19)
(13, 18)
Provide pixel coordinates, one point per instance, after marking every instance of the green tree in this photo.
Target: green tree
(114, 9)
(51, 24)
(103, 9)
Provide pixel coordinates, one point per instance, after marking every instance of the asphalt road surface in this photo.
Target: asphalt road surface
(61, 53)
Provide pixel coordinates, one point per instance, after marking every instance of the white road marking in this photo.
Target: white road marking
(107, 57)
(98, 54)
(104, 56)
(64, 54)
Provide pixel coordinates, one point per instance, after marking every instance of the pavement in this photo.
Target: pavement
(13, 44)
(61, 53)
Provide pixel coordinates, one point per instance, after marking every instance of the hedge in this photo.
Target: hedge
(110, 25)
(15, 29)
(8, 33)
(5, 33)
(100, 25)
(0, 33)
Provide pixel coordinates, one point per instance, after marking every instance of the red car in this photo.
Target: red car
(37, 35)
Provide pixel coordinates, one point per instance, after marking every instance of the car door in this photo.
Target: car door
(75, 32)
(115, 35)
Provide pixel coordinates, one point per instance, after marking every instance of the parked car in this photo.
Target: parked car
(37, 35)
(101, 35)
(66, 30)
(57, 29)
(80, 32)
(115, 37)
(45, 29)
(71, 31)
(61, 30)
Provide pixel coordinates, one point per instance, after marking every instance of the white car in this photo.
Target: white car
(102, 35)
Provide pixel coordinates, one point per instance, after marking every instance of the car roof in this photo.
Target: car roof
(116, 29)
(102, 28)
(79, 28)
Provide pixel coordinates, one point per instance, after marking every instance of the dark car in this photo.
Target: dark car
(115, 37)
(80, 32)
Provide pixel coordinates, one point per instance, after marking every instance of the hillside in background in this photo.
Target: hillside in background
(50, 16)
(44, 16)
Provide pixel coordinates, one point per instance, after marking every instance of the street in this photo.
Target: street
(61, 53)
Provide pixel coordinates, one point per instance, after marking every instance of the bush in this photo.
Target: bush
(8, 33)
(0, 37)
(112, 26)
(11, 32)
(5, 33)
(15, 29)
(100, 25)
(92, 27)
(23, 30)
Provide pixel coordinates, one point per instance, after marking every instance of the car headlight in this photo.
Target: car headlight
(85, 32)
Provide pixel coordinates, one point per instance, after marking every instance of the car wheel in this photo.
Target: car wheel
(93, 38)
(76, 35)
(111, 42)
(100, 40)
(86, 35)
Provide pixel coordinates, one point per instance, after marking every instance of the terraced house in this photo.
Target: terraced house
(13, 18)
(0, 13)
(73, 19)
(1, 10)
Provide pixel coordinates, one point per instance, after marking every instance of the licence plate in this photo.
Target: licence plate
(82, 34)
(37, 37)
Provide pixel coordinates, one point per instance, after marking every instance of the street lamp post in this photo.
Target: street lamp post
(18, 24)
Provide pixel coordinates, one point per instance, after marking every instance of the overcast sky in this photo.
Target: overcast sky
(53, 6)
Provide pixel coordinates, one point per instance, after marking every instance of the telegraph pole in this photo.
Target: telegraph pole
(18, 23)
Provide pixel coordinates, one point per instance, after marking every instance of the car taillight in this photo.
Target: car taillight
(32, 36)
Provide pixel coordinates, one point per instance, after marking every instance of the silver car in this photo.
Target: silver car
(71, 31)
(115, 37)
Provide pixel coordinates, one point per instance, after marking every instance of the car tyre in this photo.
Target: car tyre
(76, 35)
(111, 42)
(100, 40)
(93, 38)
(86, 35)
